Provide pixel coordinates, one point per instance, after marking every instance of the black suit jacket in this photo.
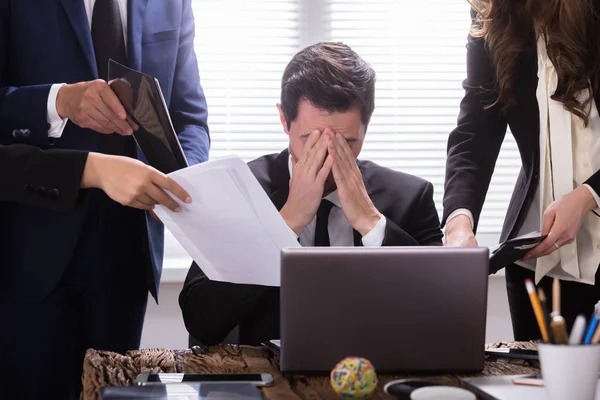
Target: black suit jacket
(474, 145)
(212, 309)
(48, 179)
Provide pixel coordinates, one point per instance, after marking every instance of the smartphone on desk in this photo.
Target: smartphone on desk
(521, 354)
(160, 379)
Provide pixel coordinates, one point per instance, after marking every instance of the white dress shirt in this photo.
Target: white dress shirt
(570, 155)
(57, 124)
(340, 231)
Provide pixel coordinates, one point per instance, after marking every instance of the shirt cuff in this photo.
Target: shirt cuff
(375, 237)
(595, 195)
(461, 211)
(55, 122)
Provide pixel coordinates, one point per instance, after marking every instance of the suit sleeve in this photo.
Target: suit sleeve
(23, 110)
(423, 228)
(594, 182)
(188, 105)
(396, 236)
(41, 178)
(212, 309)
(474, 145)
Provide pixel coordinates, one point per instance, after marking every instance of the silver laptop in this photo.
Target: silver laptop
(417, 309)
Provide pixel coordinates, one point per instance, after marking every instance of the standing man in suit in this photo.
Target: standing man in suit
(325, 195)
(72, 281)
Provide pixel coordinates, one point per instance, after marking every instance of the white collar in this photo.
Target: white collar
(332, 197)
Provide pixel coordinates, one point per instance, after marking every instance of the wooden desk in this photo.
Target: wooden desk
(103, 368)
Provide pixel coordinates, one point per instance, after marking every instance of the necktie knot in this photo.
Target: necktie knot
(324, 209)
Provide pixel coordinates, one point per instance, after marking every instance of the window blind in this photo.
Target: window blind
(416, 47)
(242, 49)
(418, 50)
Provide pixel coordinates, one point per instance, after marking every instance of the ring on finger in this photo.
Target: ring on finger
(556, 246)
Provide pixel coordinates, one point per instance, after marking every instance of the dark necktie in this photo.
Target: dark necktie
(109, 43)
(321, 231)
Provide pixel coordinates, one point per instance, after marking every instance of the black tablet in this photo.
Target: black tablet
(184, 391)
(513, 250)
(521, 354)
(148, 114)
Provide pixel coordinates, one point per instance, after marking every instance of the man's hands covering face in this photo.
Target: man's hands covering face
(309, 174)
(354, 199)
(327, 152)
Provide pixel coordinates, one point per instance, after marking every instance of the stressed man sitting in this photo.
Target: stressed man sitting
(323, 193)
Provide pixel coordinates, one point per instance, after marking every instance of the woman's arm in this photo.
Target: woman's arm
(53, 179)
(39, 178)
(474, 145)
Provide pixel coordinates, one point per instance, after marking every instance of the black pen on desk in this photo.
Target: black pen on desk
(544, 305)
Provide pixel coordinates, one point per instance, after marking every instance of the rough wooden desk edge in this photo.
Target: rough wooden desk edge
(102, 368)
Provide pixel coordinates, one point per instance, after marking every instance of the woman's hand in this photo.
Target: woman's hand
(131, 182)
(562, 220)
(459, 233)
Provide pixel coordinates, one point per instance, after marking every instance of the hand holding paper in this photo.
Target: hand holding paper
(231, 229)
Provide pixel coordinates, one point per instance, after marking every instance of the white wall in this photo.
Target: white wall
(164, 324)
(499, 328)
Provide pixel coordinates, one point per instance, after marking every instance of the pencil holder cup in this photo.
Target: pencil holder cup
(570, 372)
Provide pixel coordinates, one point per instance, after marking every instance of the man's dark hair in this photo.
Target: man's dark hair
(332, 77)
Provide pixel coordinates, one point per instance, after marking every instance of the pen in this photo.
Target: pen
(546, 315)
(529, 381)
(559, 329)
(556, 296)
(557, 322)
(596, 337)
(578, 330)
(593, 325)
(537, 309)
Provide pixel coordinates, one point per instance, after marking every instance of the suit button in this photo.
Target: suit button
(26, 132)
(29, 189)
(54, 194)
(16, 133)
(42, 191)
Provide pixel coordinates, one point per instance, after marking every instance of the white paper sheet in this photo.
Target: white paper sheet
(231, 229)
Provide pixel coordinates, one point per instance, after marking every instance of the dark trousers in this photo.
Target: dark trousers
(576, 298)
(100, 303)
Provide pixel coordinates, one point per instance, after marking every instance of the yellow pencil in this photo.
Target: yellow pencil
(537, 309)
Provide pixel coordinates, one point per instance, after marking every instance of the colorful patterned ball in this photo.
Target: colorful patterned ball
(354, 378)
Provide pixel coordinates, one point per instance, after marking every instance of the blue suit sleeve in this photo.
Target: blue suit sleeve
(188, 105)
(23, 110)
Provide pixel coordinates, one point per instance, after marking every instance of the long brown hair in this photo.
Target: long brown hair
(571, 29)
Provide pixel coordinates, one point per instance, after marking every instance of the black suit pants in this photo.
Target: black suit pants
(99, 303)
(576, 298)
